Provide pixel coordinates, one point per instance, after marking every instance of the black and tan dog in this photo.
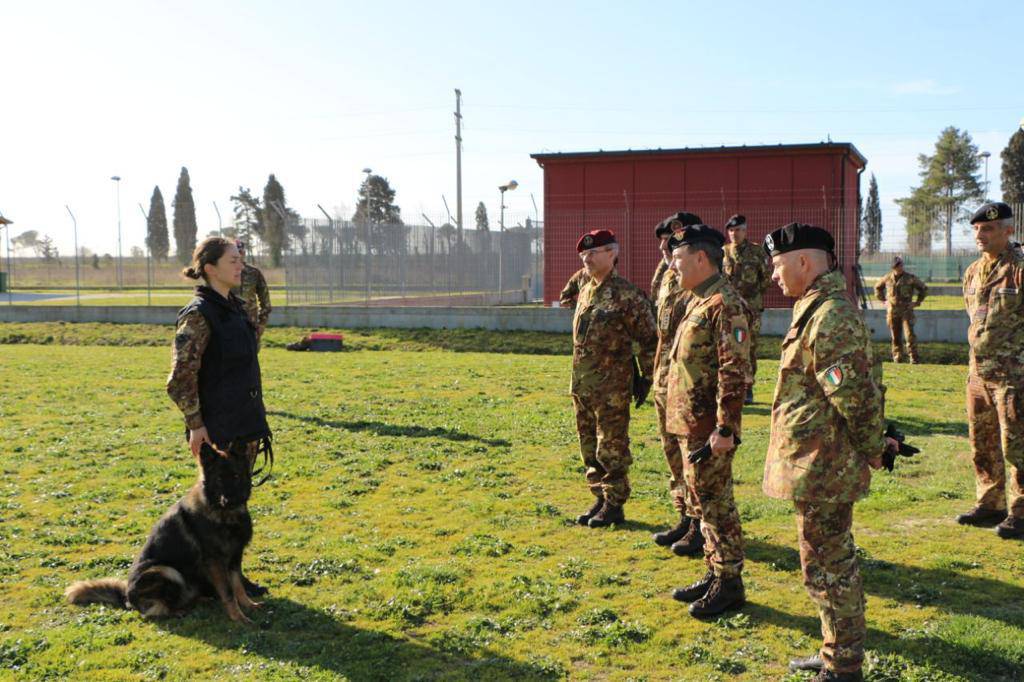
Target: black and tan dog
(194, 550)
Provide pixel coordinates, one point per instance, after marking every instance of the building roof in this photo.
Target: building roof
(843, 147)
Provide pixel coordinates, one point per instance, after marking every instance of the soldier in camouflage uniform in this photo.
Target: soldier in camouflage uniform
(571, 291)
(898, 289)
(670, 304)
(611, 315)
(747, 270)
(707, 380)
(994, 298)
(826, 434)
(254, 293)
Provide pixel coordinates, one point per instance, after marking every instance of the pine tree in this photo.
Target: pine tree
(274, 206)
(482, 223)
(375, 211)
(157, 238)
(949, 181)
(185, 229)
(872, 219)
(248, 216)
(1013, 170)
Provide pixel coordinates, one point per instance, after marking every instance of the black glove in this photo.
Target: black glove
(904, 448)
(641, 384)
(704, 452)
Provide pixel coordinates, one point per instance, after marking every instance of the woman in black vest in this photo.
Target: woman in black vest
(215, 374)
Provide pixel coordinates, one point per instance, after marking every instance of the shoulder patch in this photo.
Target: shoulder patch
(740, 334)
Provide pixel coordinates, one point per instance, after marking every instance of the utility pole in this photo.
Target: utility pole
(78, 281)
(458, 163)
(220, 225)
(120, 264)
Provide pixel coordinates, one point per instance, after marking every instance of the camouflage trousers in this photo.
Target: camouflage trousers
(678, 490)
(995, 418)
(829, 562)
(602, 422)
(755, 333)
(710, 486)
(901, 329)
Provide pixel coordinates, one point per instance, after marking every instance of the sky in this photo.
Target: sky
(315, 91)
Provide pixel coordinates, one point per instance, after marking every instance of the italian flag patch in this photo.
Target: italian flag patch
(739, 334)
(834, 375)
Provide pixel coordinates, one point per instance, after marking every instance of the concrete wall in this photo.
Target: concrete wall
(932, 325)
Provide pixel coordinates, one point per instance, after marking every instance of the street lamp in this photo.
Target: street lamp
(4, 222)
(120, 264)
(511, 184)
(985, 156)
(78, 282)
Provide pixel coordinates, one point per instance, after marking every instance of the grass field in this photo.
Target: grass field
(417, 526)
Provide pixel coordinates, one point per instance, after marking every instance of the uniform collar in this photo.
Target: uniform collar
(708, 286)
(824, 286)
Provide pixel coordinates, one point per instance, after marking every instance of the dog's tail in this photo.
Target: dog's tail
(104, 591)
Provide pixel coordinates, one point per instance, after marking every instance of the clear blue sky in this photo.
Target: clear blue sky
(315, 91)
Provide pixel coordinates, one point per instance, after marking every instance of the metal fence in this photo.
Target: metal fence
(429, 264)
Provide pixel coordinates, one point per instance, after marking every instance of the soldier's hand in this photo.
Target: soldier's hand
(895, 444)
(720, 444)
(196, 438)
(641, 388)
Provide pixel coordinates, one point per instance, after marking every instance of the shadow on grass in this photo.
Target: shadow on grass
(954, 658)
(291, 632)
(947, 590)
(911, 426)
(382, 429)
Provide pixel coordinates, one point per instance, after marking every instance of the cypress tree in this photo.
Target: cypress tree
(185, 229)
(157, 238)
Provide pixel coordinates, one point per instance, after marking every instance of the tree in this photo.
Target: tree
(29, 239)
(184, 218)
(482, 223)
(95, 261)
(949, 181)
(872, 218)
(156, 227)
(248, 215)
(376, 209)
(275, 218)
(919, 214)
(1013, 169)
(137, 252)
(47, 250)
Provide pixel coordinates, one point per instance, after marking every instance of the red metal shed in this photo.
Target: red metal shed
(631, 191)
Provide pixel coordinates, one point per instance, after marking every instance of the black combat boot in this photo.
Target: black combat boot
(694, 591)
(724, 594)
(673, 535)
(692, 543)
(813, 662)
(609, 514)
(826, 675)
(980, 516)
(585, 517)
(1010, 527)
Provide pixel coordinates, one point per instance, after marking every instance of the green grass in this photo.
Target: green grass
(418, 527)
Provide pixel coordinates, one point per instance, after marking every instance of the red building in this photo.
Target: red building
(630, 191)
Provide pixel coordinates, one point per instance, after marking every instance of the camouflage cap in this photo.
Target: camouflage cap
(993, 210)
(675, 222)
(796, 236)
(594, 239)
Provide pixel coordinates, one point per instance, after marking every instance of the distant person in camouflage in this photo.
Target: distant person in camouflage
(898, 289)
(827, 431)
(669, 305)
(708, 377)
(747, 270)
(571, 291)
(254, 293)
(611, 315)
(994, 298)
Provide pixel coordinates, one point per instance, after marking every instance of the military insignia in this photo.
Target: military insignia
(834, 375)
(992, 213)
(675, 226)
(739, 334)
(588, 241)
(770, 243)
(1012, 291)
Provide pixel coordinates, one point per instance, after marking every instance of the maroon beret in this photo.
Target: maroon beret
(594, 239)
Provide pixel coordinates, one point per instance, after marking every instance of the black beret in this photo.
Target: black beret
(736, 221)
(594, 239)
(676, 221)
(796, 236)
(993, 210)
(694, 234)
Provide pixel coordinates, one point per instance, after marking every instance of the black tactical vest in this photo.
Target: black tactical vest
(230, 390)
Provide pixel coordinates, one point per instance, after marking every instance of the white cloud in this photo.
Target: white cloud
(926, 86)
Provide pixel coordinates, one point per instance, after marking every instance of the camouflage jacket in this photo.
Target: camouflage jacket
(827, 415)
(571, 291)
(611, 316)
(710, 361)
(899, 290)
(190, 341)
(746, 266)
(656, 280)
(255, 297)
(670, 307)
(995, 304)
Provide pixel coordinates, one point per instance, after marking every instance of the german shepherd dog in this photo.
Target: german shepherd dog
(194, 550)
